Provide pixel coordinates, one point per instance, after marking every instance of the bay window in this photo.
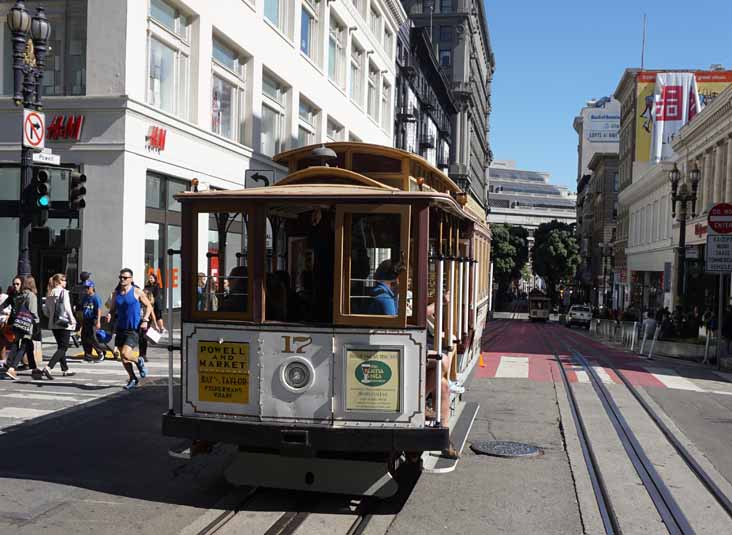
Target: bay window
(371, 102)
(337, 52)
(335, 130)
(356, 92)
(227, 92)
(375, 23)
(385, 105)
(169, 53)
(307, 124)
(273, 116)
(310, 29)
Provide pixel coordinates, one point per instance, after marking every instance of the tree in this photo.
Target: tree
(509, 254)
(555, 255)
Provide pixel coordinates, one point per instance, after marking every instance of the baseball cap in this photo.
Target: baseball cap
(89, 283)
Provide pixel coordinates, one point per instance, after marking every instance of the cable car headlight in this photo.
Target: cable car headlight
(297, 375)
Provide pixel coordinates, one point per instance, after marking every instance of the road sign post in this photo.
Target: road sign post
(718, 257)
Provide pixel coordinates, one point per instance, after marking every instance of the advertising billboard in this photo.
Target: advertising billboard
(708, 85)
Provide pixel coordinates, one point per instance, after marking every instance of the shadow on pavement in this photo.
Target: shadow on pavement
(114, 446)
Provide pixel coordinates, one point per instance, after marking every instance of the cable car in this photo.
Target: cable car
(329, 320)
(539, 306)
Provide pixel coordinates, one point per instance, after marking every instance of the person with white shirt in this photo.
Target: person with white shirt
(61, 322)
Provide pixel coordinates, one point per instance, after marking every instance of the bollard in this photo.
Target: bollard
(635, 335)
(653, 342)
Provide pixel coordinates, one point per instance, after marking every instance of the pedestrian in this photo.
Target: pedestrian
(153, 323)
(23, 318)
(125, 312)
(62, 322)
(91, 310)
(153, 286)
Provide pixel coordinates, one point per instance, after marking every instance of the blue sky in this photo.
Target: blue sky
(554, 55)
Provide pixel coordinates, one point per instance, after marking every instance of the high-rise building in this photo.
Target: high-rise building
(459, 35)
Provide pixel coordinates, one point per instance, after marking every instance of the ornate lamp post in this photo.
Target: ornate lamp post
(683, 193)
(30, 46)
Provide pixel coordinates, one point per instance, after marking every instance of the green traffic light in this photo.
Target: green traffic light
(43, 201)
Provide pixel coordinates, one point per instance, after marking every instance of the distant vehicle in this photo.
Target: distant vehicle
(579, 315)
(539, 306)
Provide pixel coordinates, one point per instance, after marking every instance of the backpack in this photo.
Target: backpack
(60, 318)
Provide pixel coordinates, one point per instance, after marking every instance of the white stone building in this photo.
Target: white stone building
(172, 90)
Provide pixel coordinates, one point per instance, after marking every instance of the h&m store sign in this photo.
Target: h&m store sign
(65, 128)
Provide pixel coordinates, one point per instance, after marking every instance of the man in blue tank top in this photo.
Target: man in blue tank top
(125, 312)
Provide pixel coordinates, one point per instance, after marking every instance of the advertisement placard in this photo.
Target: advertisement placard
(223, 372)
(373, 377)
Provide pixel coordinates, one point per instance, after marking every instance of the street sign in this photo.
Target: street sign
(719, 253)
(720, 218)
(47, 157)
(34, 129)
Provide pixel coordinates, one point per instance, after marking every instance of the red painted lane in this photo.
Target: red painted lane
(629, 364)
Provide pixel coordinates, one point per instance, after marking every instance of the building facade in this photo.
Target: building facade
(602, 201)
(526, 199)
(182, 90)
(459, 33)
(425, 106)
(643, 262)
(598, 131)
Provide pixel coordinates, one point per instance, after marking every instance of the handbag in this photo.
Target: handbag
(153, 335)
(23, 321)
(60, 318)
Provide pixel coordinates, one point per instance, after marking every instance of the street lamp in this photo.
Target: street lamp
(30, 47)
(683, 193)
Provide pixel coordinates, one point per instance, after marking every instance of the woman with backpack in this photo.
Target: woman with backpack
(61, 321)
(23, 319)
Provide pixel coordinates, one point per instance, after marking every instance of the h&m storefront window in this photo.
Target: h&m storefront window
(163, 232)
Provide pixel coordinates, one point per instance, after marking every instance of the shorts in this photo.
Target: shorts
(126, 338)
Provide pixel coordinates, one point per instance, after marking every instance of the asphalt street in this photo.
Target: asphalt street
(81, 455)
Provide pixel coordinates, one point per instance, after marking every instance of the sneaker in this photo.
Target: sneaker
(457, 388)
(132, 384)
(87, 358)
(141, 367)
(12, 375)
(100, 358)
(36, 374)
(68, 373)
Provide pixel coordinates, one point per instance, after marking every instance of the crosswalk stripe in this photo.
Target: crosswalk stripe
(40, 397)
(21, 413)
(55, 393)
(513, 367)
(671, 379)
(603, 375)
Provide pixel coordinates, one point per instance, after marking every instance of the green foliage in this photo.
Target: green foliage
(509, 253)
(555, 255)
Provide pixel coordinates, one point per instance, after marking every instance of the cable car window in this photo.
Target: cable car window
(300, 242)
(222, 286)
(374, 264)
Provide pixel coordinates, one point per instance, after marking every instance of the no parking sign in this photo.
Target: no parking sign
(34, 129)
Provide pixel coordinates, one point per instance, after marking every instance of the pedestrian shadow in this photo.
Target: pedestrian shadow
(115, 446)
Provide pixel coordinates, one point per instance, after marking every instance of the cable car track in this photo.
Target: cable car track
(669, 510)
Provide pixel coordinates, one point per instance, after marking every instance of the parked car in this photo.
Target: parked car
(579, 315)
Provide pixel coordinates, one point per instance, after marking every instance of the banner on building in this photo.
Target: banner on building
(675, 103)
(708, 84)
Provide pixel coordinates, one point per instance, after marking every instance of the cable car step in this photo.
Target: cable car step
(462, 423)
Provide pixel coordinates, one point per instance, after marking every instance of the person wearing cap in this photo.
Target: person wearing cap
(383, 297)
(91, 310)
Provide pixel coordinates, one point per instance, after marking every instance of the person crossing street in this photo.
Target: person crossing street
(91, 310)
(128, 317)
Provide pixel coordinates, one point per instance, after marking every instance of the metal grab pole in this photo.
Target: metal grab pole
(719, 320)
(438, 340)
(460, 297)
(451, 309)
(171, 253)
(466, 296)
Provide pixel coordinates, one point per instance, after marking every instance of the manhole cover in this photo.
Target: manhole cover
(504, 448)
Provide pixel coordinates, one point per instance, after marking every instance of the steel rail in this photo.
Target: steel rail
(226, 516)
(721, 498)
(667, 507)
(602, 496)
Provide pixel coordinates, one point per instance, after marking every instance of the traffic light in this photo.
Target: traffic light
(77, 190)
(40, 196)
